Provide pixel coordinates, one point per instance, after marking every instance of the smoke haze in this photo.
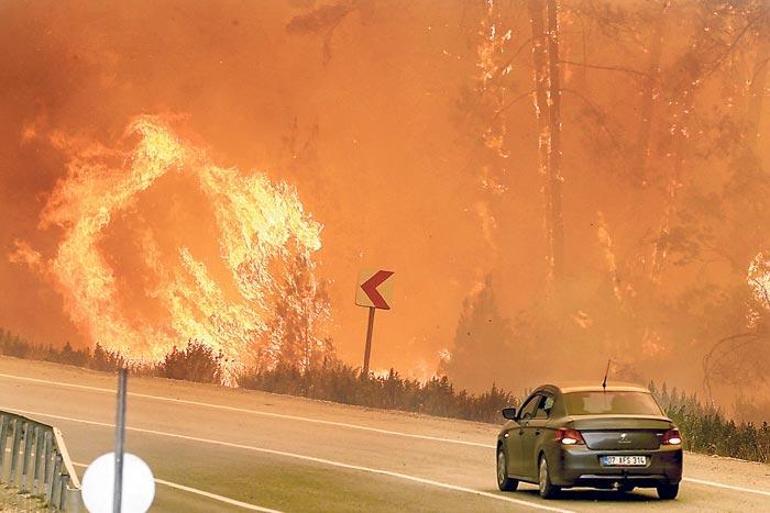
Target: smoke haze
(408, 131)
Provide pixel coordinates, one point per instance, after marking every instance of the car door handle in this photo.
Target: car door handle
(521, 431)
(537, 432)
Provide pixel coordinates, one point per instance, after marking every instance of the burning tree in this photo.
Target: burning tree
(302, 305)
(740, 359)
(221, 302)
(544, 18)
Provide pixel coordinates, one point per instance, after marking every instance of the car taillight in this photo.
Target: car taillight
(569, 436)
(671, 437)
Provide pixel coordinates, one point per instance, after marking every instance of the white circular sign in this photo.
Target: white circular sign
(99, 480)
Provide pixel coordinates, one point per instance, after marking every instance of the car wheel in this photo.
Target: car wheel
(547, 489)
(505, 483)
(668, 492)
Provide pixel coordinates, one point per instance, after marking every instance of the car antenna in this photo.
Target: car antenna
(606, 373)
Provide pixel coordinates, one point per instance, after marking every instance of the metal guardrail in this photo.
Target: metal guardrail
(34, 460)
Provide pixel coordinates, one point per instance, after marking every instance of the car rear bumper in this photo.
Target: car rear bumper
(580, 466)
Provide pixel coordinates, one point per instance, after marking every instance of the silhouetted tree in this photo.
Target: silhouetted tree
(483, 344)
(302, 306)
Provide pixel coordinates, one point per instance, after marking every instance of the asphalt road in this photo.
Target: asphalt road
(223, 450)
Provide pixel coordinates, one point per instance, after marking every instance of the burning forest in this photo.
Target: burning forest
(257, 227)
(566, 181)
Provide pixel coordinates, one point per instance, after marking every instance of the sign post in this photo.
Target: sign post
(120, 441)
(374, 291)
(368, 348)
(109, 475)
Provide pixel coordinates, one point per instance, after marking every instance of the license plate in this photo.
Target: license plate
(624, 461)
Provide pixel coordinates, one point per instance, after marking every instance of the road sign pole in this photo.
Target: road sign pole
(368, 349)
(120, 439)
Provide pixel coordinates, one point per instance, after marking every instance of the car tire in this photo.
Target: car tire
(547, 489)
(668, 492)
(504, 483)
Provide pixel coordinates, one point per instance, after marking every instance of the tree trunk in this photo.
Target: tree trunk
(553, 201)
(680, 143)
(545, 61)
(683, 104)
(540, 70)
(757, 89)
(649, 91)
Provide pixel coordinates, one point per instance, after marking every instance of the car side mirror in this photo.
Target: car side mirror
(509, 413)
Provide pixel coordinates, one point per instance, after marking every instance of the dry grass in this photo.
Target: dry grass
(11, 501)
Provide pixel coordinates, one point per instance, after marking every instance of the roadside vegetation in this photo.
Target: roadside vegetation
(336, 381)
(195, 362)
(706, 428)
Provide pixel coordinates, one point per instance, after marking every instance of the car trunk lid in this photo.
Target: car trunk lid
(621, 432)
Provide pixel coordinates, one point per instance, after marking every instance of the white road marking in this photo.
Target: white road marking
(322, 461)
(725, 486)
(251, 411)
(330, 423)
(208, 495)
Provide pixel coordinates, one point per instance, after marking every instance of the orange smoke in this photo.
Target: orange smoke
(258, 225)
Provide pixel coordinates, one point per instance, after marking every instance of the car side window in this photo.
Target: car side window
(528, 410)
(544, 407)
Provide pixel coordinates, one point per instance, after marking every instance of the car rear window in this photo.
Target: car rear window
(621, 403)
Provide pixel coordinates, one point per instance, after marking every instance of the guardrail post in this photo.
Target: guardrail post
(39, 442)
(17, 428)
(50, 467)
(62, 502)
(26, 457)
(74, 500)
(3, 438)
(56, 481)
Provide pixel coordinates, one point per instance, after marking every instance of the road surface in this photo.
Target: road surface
(216, 450)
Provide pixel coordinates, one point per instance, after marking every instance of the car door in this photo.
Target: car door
(533, 431)
(513, 437)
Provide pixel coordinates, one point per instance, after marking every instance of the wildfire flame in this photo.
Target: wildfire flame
(758, 278)
(259, 224)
